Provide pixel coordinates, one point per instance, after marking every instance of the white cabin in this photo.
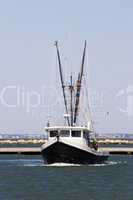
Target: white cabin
(80, 136)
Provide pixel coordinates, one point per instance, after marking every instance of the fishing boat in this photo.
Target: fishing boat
(72, 143)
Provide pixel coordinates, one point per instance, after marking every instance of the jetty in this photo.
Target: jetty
(117, 150)
(37, 150)
(20, 150)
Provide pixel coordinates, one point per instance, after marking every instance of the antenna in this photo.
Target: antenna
(62, 81)
(79, 82)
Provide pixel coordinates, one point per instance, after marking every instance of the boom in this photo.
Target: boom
(62, 81)
(79, 82)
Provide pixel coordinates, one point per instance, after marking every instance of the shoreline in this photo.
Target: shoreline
(42, 141)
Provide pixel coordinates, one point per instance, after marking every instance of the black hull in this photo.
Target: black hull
(63, 153)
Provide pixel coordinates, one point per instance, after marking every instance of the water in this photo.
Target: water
(27, 178)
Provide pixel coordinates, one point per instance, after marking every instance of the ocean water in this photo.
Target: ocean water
(27, 178)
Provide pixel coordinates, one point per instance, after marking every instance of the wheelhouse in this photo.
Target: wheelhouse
(68, 132)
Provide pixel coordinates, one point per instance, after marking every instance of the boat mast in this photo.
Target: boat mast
(71, 92)
(62, 81)
(79, 81)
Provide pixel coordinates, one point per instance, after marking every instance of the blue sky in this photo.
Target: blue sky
(28, 30)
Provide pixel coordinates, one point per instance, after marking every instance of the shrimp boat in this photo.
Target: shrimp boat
(72, 143)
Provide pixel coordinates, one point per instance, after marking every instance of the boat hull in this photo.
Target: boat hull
(60, 152)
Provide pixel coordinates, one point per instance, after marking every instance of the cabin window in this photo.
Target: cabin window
(53, 133)
(76, 133)
(64, 133)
